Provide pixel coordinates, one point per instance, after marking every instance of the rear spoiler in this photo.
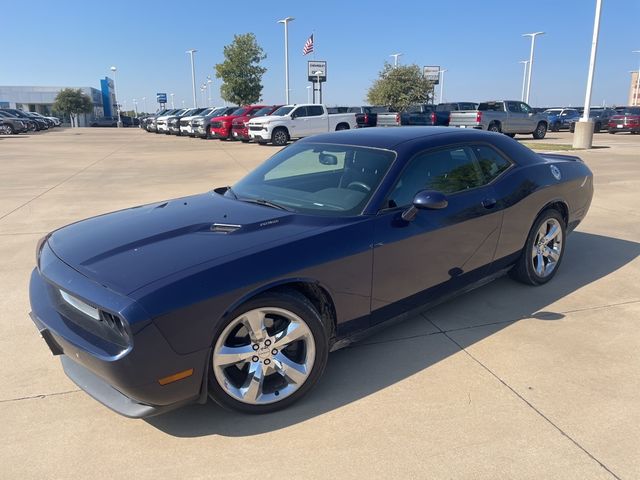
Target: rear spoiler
(554, 157)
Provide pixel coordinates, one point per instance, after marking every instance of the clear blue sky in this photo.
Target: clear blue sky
(73, 43)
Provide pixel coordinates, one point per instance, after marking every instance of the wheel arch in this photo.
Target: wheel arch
(556, 204)
(343, 124)
(317, 293)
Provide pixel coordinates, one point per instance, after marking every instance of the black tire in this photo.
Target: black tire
(612, 132)
(572, 127)
(208, 134)
(541, 131)
(8, 129)
(280, 137)
(510, 135)
(555, 127)
(494, 127)
(597, 127)
(298, 304)
(524, 269)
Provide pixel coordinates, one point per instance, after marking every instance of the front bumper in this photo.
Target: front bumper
(125, 379)
(259, 135)
(241, 134)
(221, 132)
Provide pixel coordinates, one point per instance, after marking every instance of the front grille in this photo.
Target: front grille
(184, 123)
(255, 128)
(216, 124)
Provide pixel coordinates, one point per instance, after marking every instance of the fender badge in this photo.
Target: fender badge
(555, 171)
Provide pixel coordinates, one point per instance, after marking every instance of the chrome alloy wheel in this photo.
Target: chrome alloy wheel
(264, 355)
(547, 248)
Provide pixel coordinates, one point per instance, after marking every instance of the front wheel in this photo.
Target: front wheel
(7, 129)
(541, 131)
(543, 250)
(279, 137)
(268, 354)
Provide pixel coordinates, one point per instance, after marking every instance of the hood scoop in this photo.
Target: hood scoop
(224, 227)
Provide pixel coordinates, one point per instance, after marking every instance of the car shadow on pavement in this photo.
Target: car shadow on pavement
(412, 346)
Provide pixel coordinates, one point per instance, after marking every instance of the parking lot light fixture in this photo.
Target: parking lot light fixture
(171, 95)
(286, 21)
(193, 76)
(524, 77)
(637, 92)
(533, 44)
(115, 92)
(144, 104)
(583, 131)
(395, 58)
(441, 72)
(209, 82)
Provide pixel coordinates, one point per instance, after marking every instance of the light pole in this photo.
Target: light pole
(144, 104)
(172, 105)
(637, 92)
(286, 21)
(193, 76)
(115, 92)
(524, 77)
(308, 93)
(583, 133)
(395, 58)
(135, 109)
(317, 73)
(209, 82)
(442, 72)
(533, 44)
(203, 89)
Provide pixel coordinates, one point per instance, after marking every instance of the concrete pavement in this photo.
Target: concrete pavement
(508, 381)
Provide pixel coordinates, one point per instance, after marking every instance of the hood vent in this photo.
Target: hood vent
(224, 227)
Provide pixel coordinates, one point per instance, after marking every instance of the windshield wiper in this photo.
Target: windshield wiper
(266, 203)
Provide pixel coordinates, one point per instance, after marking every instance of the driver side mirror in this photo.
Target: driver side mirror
(328, 159)
(425, 200)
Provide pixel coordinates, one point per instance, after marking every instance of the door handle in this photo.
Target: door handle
(489, 202)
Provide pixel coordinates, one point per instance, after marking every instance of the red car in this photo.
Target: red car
(221, 126)
(239, 125)
(628, 121)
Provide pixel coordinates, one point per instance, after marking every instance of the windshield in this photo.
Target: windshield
(282, 111)
(322, 179)
(239, 112)
(552, 111)
(262, 112)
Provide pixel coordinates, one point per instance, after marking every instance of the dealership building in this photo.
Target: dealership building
(41, 99)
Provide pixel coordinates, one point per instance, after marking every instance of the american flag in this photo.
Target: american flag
(308, 45)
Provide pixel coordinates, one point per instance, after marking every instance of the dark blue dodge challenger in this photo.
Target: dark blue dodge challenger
(240, 293)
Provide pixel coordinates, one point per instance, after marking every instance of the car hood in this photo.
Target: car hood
(131, 248)
(265, 119)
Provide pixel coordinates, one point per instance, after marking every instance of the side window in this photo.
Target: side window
(525, 108)
(300, 112)
(314, 110)
(513, 107)
(448, 171)
(491, 163)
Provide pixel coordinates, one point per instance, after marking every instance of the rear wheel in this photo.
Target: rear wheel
(543, 250)
(494, 127)
(268, 354)
(510, 135)
(7, 129)
(541, 131)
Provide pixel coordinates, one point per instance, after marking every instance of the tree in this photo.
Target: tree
(72, 102)
(401, 86)
(241, 72)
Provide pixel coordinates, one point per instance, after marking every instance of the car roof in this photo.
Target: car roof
(390, 137)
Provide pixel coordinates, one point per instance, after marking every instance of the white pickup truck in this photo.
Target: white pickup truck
(297, 121)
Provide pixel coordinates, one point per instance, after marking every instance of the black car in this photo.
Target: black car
(45, 122)
(367, 116)
(12, 124)
(599, 116)
(32, 125)
(240, 293)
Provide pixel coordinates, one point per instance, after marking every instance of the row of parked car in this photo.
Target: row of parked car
(278, 124)
(14, 121)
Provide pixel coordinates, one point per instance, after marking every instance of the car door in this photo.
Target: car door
(318, 120)
(529, 119)
(515, 122)
(440, 250)
(299, 122)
